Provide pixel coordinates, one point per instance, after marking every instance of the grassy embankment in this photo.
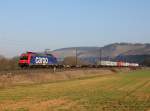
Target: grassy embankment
(125, 91)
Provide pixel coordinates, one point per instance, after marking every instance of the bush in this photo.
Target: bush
(8, 64)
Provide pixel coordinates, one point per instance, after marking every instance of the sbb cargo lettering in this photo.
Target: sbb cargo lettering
(41, 60)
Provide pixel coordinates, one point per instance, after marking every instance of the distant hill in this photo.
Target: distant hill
(113, 50)
(117, 51)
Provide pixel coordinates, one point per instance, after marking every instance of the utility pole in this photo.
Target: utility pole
(76, 56)
(100, 55)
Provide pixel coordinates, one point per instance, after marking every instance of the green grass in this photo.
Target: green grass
(120, 92)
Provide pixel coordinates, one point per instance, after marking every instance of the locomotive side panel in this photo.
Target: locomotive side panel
(43, 60)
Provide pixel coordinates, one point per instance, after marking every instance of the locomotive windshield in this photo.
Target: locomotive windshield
(24, 58)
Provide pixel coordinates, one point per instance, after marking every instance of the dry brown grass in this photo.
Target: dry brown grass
(11, 79)
(47, 105)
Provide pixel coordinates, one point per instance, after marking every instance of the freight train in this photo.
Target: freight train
(32, 59)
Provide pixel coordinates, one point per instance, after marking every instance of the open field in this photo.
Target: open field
(93, 90)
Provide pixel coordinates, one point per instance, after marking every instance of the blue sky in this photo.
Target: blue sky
(35, 25)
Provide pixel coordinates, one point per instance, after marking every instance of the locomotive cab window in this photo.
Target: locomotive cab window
(24, 58)
(50, 55)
